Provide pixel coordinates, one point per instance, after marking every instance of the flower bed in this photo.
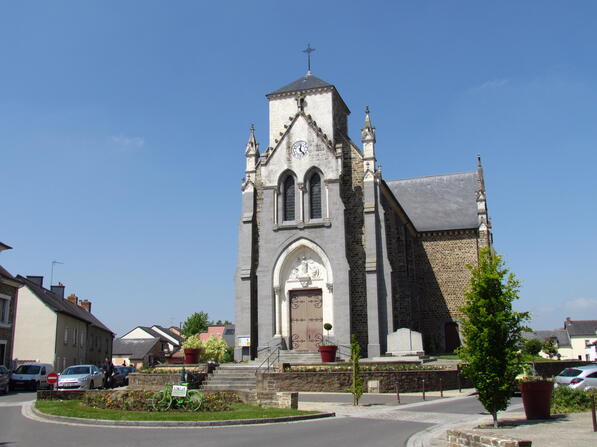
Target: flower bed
(142, 400)
(363, 367)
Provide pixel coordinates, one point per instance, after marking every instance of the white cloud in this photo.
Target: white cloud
(127, 142)
(493, 84)
(581, 304)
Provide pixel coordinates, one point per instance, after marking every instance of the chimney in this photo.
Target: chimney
(58, 290)
(73, 298)
(39, 280)
(85, 304)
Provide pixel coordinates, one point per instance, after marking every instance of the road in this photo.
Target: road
(382, 426)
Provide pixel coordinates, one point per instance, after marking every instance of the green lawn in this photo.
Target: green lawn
(74, 408)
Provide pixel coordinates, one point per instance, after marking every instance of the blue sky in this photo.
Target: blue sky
(123, 126)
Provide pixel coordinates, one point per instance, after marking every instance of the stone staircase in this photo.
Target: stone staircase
(232, 377)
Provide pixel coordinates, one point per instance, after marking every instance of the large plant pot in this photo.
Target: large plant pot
(328, 353)
(191, 356)
(536, 398)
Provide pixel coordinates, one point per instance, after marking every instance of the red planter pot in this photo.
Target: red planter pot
(328, 353)
(536, 398)
(191, 356)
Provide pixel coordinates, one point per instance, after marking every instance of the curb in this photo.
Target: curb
(170, 424)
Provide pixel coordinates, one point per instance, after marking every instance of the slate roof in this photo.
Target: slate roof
(561, 335)
(440, 202)
(135, 348)
(58, 304)
(5, 274)
(307, 82)
(170, 333)
(581, 327)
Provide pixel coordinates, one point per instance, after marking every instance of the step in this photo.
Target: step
(247, 387)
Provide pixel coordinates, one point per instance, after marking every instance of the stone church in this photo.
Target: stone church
(324, 238)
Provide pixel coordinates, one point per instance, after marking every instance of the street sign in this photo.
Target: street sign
(52, 378)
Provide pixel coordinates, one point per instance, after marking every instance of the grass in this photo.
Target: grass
(448, 357)
(75, 408)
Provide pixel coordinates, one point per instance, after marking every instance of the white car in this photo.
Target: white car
(81, 377)
(578, 377)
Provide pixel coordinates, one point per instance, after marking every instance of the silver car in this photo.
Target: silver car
(578, 377)
(80, 377)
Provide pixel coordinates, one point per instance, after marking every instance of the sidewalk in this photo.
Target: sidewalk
(562, 430)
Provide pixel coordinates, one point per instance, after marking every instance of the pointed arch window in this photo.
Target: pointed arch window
(288, 198)
(315, 196)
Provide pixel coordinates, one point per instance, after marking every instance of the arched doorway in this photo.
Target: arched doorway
(452, 336)
(303, 295)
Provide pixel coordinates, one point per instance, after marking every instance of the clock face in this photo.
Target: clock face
(300, 149)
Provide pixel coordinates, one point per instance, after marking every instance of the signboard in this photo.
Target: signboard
(179, 391)
(52, 378)
(243, 342)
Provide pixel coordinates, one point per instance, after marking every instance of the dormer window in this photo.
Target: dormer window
(288, 195)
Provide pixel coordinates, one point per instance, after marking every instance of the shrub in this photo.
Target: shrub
(193, 342)
(214, 349)
(532, 347)
(568, 400)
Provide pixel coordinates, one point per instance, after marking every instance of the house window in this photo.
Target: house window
(315, 196)
(2, 351)
(75, 335)
(82, 339)
(66, 335)
(4, 309)
(288, 198)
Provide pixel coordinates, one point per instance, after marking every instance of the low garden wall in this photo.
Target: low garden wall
(264, 399)
(155, 381)
(340, 381)
(469, 438)
(551, 369)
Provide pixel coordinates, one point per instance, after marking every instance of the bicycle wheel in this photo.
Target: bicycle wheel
(161, 401)
(194, 400)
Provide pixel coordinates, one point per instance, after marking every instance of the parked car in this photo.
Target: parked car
(578, 377)
(32, 376)
(120, 376)
(80, 377)
(4, 379)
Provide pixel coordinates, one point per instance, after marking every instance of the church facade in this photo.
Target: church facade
(323, 238)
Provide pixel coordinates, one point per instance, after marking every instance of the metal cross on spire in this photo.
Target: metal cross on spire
(309, 50)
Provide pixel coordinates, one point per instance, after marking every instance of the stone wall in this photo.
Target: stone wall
(351, 191)
(469, 438)
(156, 381)
(441, 260)
(407, 381)
(550, 369)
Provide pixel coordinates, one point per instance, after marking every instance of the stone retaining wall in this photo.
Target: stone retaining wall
(550, 369)
(469, 438)
(407, 381)
(156, 381)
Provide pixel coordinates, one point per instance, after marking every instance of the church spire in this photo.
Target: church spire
(252, 154)
(485, 237)
(368, 138)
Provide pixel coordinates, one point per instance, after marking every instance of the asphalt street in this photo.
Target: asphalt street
(18, 431)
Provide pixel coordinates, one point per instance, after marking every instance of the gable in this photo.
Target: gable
(320, 153)
(138, 332)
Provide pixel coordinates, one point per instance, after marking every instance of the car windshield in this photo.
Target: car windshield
(73, 370)
(28, 369)
(570, 372)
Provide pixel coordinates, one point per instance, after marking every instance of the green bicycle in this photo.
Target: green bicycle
(164, 400)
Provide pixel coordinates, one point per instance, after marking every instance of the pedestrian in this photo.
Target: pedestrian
(108, 368)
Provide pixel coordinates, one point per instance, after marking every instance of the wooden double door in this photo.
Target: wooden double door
(306, 319)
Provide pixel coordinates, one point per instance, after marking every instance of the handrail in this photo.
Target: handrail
(275, 351)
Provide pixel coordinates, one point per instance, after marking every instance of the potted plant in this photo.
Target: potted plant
(327, 350)
(192, 349)
(536, 396)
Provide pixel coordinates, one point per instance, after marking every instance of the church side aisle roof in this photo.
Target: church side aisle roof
(306, 82)
(440, 202)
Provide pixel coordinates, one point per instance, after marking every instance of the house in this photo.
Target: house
(224, 332)
(582, 333)
(52, 329)
(170, 341)
(560, 338)
(137, 352)
(9, 288)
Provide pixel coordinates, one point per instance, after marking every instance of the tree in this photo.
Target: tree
(357, 380)
(196, 323)
(550, 347)
(220, 323)
(532, 347)
(492, 333)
